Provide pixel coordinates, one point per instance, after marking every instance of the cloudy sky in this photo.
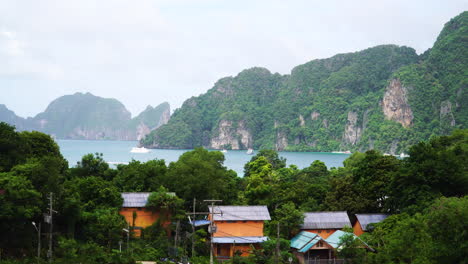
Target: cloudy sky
(145, 52)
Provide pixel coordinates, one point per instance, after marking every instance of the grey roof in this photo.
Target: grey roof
(365, 219)
(239, 240)
(240, 213)
(326, 220)
(136, 199)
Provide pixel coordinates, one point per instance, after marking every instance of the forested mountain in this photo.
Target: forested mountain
(386, 97)
(85, 116)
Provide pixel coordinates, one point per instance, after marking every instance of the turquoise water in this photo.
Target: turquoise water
(119, 151)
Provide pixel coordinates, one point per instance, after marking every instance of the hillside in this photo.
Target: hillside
(386, 97)
(85, 116)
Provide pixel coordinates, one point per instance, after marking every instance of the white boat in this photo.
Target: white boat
(140, 150)
(341, 152)
(223, 151)
(404, 155)
(249, 151)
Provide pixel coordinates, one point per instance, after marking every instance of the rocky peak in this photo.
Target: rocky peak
(352, 132)
(395, 104)
(301, 120)
(315, 115)
(233, 133)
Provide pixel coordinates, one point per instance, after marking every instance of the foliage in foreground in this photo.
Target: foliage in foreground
(87, 200)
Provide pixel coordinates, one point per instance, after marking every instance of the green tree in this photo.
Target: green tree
(140, 176)
(201, 174)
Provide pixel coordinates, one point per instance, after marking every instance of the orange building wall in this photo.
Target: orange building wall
(357, 229)
(239, 228)
(228, 250)
(324, 233)
(145, 218)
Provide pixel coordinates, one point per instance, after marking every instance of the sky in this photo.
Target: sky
(145, 52)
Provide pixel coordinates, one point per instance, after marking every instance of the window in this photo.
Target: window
(320, 231)
(328, 231)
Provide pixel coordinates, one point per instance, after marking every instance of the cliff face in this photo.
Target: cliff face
(353, 131)
(85, 116)
(395, 104)
(233, 135)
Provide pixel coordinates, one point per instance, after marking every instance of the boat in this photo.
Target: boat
(249, 151)
(341, 152)
(224, 151)
(140, 150)
(403, 155)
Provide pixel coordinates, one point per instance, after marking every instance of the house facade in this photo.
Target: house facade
(363, 222)
(137, 215)
(237, 229)
(309, 247)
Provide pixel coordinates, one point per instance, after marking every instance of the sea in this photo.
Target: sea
(116, 152)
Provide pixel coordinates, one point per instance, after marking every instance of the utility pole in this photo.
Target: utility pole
(277, 242)
(211, 226)
(176, 238)
(38, 229)
(193, 228)
(51, 227)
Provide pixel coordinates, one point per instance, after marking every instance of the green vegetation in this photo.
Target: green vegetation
(426, 193)
(308, 110)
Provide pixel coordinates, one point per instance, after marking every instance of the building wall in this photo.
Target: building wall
(228, 250)
(324, 233)
(144, 218)
(238, 228)
(357, 229)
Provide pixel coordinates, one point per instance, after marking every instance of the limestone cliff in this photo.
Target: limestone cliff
(353, 131)
(446, 113)
(85, 116)
(395, 104)
(233, 134)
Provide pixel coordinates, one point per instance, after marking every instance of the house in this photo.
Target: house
(308, 246)
(325, 223)
(137, 215)
(363, 221)
(237, 229)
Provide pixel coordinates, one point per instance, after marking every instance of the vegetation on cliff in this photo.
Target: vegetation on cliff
(335, 103)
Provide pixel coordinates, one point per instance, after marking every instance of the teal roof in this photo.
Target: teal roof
(304, 241)
(334, 239)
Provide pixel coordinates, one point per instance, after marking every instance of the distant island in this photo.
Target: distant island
(386, 98)
(85, 116)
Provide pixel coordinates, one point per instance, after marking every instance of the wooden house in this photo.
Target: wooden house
(363, 222)
(310, 247)
(137, 215)
(325, 223)
(238, 229)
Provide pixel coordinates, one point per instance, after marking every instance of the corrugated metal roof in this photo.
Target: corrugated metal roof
(240, 213)
(304, 241)
(334, 239)
(200, 222)
(239, 240)
(365, 219)
(326, 220)
(137, 199)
